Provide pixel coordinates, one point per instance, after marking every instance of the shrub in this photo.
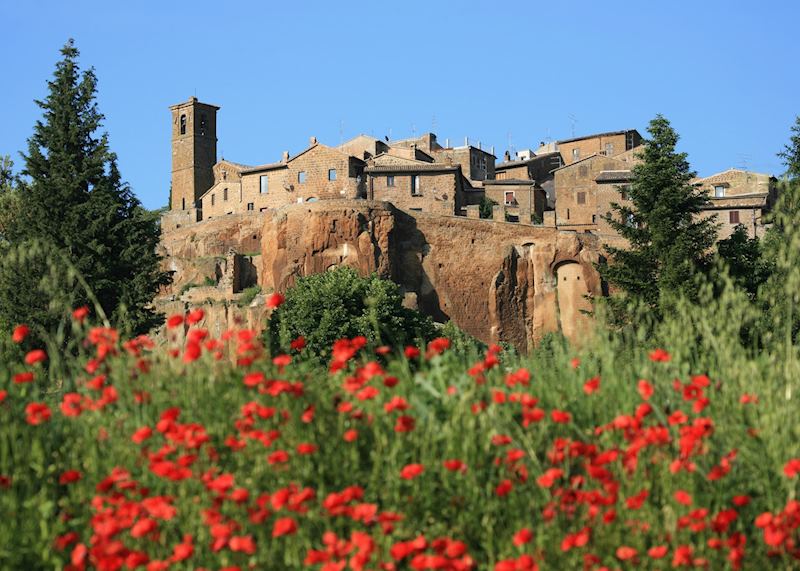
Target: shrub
(248, 295)
(339, 304)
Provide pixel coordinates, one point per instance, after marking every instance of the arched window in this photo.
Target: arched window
(203, 123)
(183, 124)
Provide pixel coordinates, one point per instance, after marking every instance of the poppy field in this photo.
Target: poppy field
(213, 454)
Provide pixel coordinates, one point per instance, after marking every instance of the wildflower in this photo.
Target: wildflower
(69, 477)
(174, 321)
(80, 314)
(549, 478)
(404, 424)
(575, 362)
(22, 378)
(411, 352)
(411, 471)
(522, 537)
(142, 434)
(35, 356)
(645, 389)
(298, 344)
(560, 416)
(455, 465)
(503, 488)
(592, 385)
(20, 333)
(660, 356)
(284, 526)
(683, 498)
(275, 300)
(195, 316)
(792, 468)
(657, 552)
(37, 413)
(350, 435)
(625, 553)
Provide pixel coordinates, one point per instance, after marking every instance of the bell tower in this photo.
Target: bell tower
(194, 151)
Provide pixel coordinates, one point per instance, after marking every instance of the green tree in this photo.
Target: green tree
(668, 241)
(341, 304)
(486, 207)
(791, 152)
(744, 259)
(9, 197)
(73, 199)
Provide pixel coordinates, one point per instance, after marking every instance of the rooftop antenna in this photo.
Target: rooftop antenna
(413, 130)
(510, 144)
(548, 138)
(433, 123)
(573, 120)
(341, 131)
(744, 160)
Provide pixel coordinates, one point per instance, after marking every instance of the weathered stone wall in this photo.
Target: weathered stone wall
(497, 281)
(436, 192)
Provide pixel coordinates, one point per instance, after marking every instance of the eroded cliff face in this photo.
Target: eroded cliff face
(497, 281)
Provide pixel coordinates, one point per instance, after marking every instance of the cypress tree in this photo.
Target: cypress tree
(667, 241)
(74, 200)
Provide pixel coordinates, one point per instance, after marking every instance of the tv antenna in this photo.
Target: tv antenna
(573, 120)
(341, 131)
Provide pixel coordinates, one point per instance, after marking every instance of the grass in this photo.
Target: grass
(253, 461)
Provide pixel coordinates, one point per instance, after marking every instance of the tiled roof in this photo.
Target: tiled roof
(614, 176)
(266, 167)
(608, 134)
(509, 181)
(422, 167)
(512, 164)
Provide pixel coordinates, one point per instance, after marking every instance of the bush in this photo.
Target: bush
(340, 304)
(248, 295)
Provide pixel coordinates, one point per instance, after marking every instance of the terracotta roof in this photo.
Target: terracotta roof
(614, 176)
(510, 181)
(266, 167)
(512, 164)
(608, 134)
(422, 167)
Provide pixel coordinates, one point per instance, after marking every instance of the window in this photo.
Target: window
(225, 194)
(183, 124)
(251, 206)
(264, 183)
(301, 177)
(212, 200)
(609, 149)
(331, 174)
(203, 123)
(581, 198)
(183, 204)
(567, 213)
(594, 218)
(734, 216)
(390, 180)
(415, 190)
(224, 175)
(511, 200)
(630, 221)
(719, 191)
(576, 154)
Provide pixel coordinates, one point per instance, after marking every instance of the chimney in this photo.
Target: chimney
(492, 149)
(312, 141)
(541, 143)
(285, 157)
(466, 141)
(506, 156)
(447, 143)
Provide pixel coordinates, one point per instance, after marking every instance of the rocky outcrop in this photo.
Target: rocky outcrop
(500, 282)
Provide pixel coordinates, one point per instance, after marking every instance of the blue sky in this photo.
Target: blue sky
(724, 73)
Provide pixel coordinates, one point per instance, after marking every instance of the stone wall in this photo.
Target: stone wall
(436, 191)
(495, 280)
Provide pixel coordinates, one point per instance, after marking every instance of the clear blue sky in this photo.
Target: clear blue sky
(723, 72)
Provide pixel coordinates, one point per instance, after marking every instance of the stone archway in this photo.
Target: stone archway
(571, 291)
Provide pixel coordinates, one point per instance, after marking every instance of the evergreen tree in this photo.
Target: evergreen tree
(791, 152)
(743, 258)
(668, 241)
(75, 201)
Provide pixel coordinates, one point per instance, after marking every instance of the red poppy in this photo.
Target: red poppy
(298, 344)
(683, 497)
(522, 537)
(174, 321)
(22, 378)
(792, 468)
(69, 477)
(20, 333)
(592, 385)
(37, 413)
(142, 434)
(3, 395)
(351, 435)
(659, 356)
(284, 526)
(404, 423)
(625, 553)
(455, 465)
(503, 488)
(560, 416)
(549, 478)
(411, 352)
(411, 471)
(35, 356)
(275, 300)
(645, 389)
(658, 551)
(80, 314)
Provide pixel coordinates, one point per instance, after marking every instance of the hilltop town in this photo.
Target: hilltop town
(226, 230)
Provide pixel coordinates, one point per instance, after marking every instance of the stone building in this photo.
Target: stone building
(739, 197)
(528, 166)
(609, 144)
(194, 152)
(319, 172)
(524, 201)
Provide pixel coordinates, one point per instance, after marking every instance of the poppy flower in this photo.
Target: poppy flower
(411, 352)
(3, 395)
(660, 356)
(37, 413)
(22, 378)
(455, 465)
(298, 344)
(195, 316)
(792, 468)
(20, 333)
(592, 385)
(682, 497)
(35, 356)
(625, 553)
(657, 552)
(404, 424)
(275, 300)
(522, 537)
(560, 416)
(174, 321)
(503, 488)
(69, 477)
(351, 435)
(142, 434)
(411, 471)
(284, 526)
(645, 389)
(80, 314)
